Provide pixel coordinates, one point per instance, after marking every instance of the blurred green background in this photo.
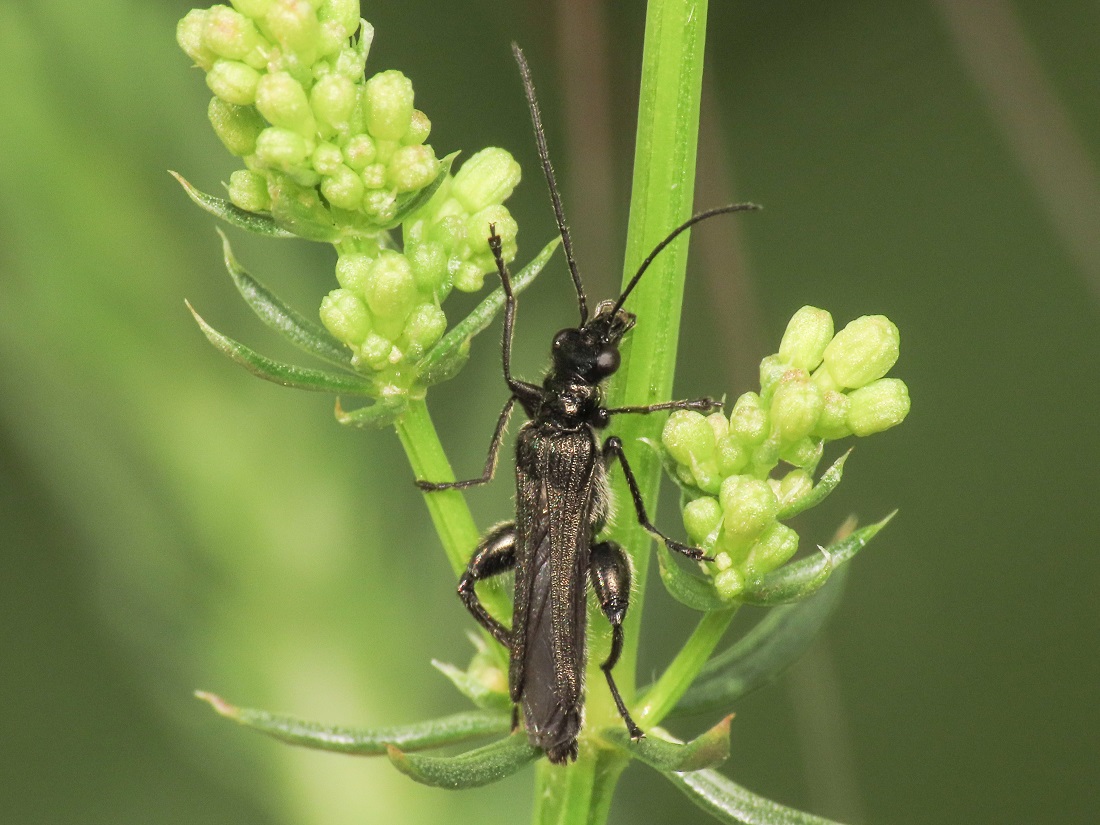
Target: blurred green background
(168, 523)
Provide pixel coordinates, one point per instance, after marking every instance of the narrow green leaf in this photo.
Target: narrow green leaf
(408, 203)
(825, 485)
(708, 750)
(695, 592)
(800, 579)
(727, 801)
(221, 208)
(377, 416)
(455, 344)
(448, 730)
(467, 770)
(773, 644)
(304, 334)
(300, 211)
(474, 689)
(287, 375)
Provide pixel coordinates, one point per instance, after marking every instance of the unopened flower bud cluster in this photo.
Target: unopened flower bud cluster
(334, 155)
(819, 387)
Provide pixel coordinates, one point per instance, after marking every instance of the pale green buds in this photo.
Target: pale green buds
(488, 177)
(796, 405)
(878, 406)
(236, 126)
(749, 420)
(233, 82)
(808, 333)
(253, 8)
(189, 35)
(345, 316)
(749, 505)
(863, 351)
(388, 102)
(333, 99)
(391, 290)
(283, 102)
(233, 36)
(248, 191)
(295, 26)
(281, 148)
(419, 129)
(412, 168)
(790, 420)
(360, 151)
(702, 517)
(425, 326)
(352, 272)
(343, 188)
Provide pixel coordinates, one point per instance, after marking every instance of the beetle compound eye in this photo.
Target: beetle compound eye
(607, 361)
(561, 339)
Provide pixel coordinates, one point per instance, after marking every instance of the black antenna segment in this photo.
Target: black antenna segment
(690, 222)
(548, 170)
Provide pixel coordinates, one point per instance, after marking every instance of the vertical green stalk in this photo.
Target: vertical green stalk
(661, 198)
(450, 514)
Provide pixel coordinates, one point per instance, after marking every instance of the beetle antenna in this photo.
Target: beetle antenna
(690, 222)
(548, 170)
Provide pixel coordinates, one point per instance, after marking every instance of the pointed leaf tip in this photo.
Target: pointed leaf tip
(221, 706)
(708, 750)
(230, 213)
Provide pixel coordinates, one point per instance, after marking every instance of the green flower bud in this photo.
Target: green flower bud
(282, 100)
(236, 126)
(327, 158)
(376, 351)
(774, 548)
(419, 129)
(878, 406)
(863, 351)
(385, 149)
(425, 326)
(391, 290)
(374, 175)
(808, 333)
(351, 61)
(688, 437)
(832, 424)
(255, 9)
(702, 517)
(353, 270)
(233, 36)
(333, 100)
(380, 205)
(339, 20)
(388, 100)
(343, 189)
(794, 485)
(795, 407)
(233, 82)
(345, 316)
(469, 277)
(805, 452)
(720, 424)
(429, 266)
(729, 583)
(280, 148)
(749, 419)
(765, 455)
(748, 506)
(732, 455)
(412, 168)
(294, 24)
(488, 177)
(248, 190)
(359, 151)
(189, 36)
(772, 370)
(449, 232)
(477, 230)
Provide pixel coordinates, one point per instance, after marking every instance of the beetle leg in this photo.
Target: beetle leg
(527, 393)
(613, 448)
(609, 569)
(490, 461)
(703, 405)
(495, 554)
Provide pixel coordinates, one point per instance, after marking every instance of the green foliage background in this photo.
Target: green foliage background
(168, 523)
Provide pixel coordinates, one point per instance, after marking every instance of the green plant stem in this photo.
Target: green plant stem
(450, 514)
(661, 198)
(660, 699)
